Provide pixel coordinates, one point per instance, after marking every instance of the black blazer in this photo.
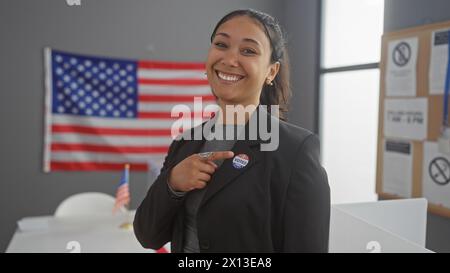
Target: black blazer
(279, 202)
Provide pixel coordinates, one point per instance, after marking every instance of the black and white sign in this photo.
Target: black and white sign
(406, 118)
(436, 175)
(401, 67)
(438, 62)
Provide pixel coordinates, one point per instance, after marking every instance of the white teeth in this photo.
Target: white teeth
(227, 77)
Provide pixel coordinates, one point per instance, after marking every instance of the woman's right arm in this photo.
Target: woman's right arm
(154, 219)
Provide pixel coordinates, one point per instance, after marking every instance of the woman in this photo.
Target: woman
(231, 195)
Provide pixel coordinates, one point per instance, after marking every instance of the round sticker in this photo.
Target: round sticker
(240, 161)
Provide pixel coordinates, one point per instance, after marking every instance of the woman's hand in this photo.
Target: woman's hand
(195, 171)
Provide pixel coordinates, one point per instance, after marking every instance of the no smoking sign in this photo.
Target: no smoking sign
(401, 54)
(439, 170)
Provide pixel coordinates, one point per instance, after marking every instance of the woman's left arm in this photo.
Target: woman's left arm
(307, 204)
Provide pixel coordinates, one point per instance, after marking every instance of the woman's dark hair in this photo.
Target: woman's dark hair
(280, 92)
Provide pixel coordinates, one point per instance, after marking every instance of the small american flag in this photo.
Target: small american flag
(102, 113)
(123, 191)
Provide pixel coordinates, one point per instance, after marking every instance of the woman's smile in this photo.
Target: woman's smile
(228, 78)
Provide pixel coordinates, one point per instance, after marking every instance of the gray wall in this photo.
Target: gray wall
(176, 30)
(301, 19)
(400, 14)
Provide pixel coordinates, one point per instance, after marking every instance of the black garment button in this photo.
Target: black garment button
(204, 244)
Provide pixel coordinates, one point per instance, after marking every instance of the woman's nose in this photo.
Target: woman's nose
(230, 58)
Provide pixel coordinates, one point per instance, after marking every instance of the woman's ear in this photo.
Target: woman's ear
(273, 71)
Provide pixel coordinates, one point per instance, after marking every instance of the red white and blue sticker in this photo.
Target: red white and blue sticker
(240, 161)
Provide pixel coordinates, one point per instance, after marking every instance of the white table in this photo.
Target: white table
(87, 234)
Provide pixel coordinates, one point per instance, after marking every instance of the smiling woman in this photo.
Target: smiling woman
(248, 62)
(232, 195)
(238, 62)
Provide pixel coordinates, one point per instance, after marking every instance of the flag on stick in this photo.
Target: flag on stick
(123, 191)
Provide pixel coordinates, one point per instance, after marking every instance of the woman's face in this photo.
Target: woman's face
(238, 63)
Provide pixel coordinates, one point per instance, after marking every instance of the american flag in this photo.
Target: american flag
(123, 191)
(101, 113)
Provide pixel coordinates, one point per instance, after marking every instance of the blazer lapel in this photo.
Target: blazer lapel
(189, 148)
(227, 173)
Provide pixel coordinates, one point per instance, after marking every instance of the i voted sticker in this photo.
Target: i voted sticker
(240, 161)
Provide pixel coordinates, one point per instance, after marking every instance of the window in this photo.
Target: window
(349, 91)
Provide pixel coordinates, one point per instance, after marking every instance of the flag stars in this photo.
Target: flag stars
(94, 87)
(58, 58)
(73, 86)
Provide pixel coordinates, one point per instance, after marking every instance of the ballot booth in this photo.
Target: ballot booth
(379, 227)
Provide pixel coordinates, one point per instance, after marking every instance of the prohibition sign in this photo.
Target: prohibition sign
(439, 170)
(401, 54)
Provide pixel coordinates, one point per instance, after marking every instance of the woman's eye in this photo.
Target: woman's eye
(249, 51)
(221, 45)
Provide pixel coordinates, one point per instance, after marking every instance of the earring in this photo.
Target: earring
(268, 82)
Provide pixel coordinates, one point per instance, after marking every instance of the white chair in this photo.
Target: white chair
(86, 204)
